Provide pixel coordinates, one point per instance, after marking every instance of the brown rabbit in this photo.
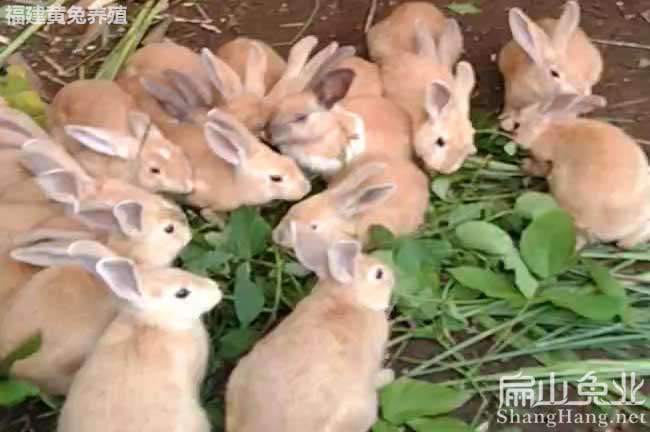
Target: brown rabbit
(119, 141)
(155, 347)
(395, 34)
(596, 172)
(373, 190)
(233, 168)
(313, 354)
(546, 58)
(323, 131)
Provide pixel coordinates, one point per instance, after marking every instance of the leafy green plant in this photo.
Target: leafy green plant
(16, 90)
(12, 391)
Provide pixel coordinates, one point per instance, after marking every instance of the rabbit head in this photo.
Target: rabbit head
(549, 66)
(532, 121)
(446, 139)
(342, 266)
(309, 88)
(160, 165)
(263, 174)
(168, 296)
(332, 214)
(152, 229)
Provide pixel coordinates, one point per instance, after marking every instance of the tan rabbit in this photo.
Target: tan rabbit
(323, 131)
(332, 344)
(147, 65)
(596, 172)
(233, 168)
(395, 34)
(119, 141)
(373, 190)
(367, 78)
(236, 53)
(546, 58)
(157, 346)
(16, 128)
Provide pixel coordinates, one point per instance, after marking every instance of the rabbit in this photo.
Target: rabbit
(546, 58)
(395, 34)
(156, 347)
(144, 71)
(232, 168)
(119, 141)
(367, 80)
(374, 190)
(16, 128)
(323, 130)
(314, 353)
(596, 172)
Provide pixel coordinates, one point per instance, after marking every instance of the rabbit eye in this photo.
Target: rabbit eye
(299, 118)
(379, 274)
(554, 73)
(169, 229)
(155, 170)
(516, 126)
(440, 142)
(276, 178)
(182, 293)
(314, 226)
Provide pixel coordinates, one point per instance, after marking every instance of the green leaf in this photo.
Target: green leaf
(24, 350)
(464, 8)
(548, 243)
(534, 204)
(407, 399)
(440, 424)
(489, 238)
(440, 187)
(465, 213)
(605, 282)
(510, 148)
(489, 283)
(247, 233)
(382, 426)
(249, 297)
(14, 392)
(215, 411)
(597, 307)
(485, 237)
(380, 237)
(236, 342)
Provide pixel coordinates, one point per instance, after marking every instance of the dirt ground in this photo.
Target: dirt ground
(626, 82)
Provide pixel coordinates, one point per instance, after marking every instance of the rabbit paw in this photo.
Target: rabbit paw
(385, 377)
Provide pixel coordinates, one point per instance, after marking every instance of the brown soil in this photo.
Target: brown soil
(626, 82)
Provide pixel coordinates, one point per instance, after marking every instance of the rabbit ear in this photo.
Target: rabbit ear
(528, 35)
(365, 199)
(88, 253)
(38, 162)
(425, 44)
(353, 180)
(99, 218)
(195, 93)
(130, 216)
(570, 105)
(298, 56)
(141, 126)
(450, 43)
(324, 62)
(169, 99)
(256, 67)
(45, 254)
(221, 75)
(333, 86)
(121, 277)
(310, 248)
(465, 82)
(341, 259)
(17, 127)
(566, 26)
(437, 99)
(224, 144)
(60, 186)
(103, 141)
